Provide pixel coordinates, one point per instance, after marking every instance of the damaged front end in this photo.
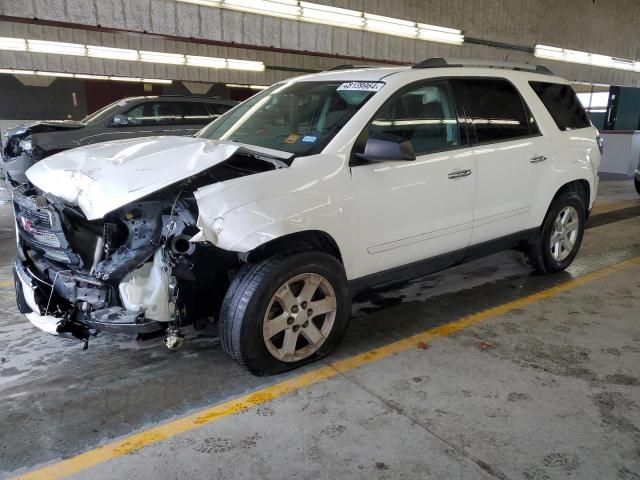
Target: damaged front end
(134, 271)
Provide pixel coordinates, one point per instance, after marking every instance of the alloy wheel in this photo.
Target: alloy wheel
(565, 233)
(299, 317)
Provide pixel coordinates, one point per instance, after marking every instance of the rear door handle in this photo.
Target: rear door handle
(538, 158)
(459, 174)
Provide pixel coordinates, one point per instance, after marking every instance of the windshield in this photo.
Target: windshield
(298, 117)
(105, 112)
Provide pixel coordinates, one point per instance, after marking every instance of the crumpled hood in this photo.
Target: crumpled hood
(105, 176)
(45, 125)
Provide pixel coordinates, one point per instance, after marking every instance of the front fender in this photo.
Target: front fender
(241, 214)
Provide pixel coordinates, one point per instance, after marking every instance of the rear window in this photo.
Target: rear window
(217, 109)
(563, 105)
(192, 113)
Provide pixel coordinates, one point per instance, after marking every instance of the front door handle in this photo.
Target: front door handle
(459, 174)
(538, 158)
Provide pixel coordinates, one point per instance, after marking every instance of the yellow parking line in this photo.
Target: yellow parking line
(170, 429)
(6, 283)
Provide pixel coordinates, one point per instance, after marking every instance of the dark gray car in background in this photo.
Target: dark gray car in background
(25, 144)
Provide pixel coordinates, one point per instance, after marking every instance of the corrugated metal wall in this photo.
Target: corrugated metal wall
(609, 27)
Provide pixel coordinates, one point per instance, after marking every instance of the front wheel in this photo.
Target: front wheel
(284, 312)
(637, 186)
(557, 242)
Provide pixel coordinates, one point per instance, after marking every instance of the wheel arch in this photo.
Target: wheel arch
(295, 242)
(580, 186)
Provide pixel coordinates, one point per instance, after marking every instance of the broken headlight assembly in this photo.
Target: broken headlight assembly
(26, 145)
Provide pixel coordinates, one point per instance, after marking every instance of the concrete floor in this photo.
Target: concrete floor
(549, 390)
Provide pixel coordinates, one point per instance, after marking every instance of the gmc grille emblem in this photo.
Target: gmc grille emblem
(27, 225)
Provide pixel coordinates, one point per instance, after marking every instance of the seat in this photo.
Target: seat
(431, 135)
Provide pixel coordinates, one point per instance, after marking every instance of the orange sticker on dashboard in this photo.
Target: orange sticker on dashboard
(292, 138)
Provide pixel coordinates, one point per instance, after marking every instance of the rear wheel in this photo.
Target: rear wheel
(637, 186)
(559, 239)
(285, 312)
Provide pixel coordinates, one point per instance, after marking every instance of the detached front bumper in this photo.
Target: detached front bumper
(32, 297)
(66, 287)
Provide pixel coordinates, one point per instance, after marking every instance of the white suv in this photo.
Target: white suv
(274, 215)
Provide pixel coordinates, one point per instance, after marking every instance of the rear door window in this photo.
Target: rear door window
(563, 105)
(192, 113)
(496, 109)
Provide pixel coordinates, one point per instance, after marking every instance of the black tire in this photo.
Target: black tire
(245, 304)
(539, 251)
(637, 182)
(20, 301)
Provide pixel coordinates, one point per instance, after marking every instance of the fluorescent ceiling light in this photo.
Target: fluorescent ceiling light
(601, 60)
(155, 80)
(97, 51)
(440, 34)
(61, 48)
(17, 72)
(160, 57)
(140, 80)
(245, 65)
(209, 62)
(55, 74)
(314, 12)
(622, 64)
(91, 77)
(16, 44)
(585, 58)
(340, 17)
(287, 8)
(604, 85)
(252, 87)
(393, 26)
(207, 3)
(126, 79)
(84, 76)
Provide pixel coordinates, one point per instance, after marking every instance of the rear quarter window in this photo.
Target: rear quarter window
(563, 105)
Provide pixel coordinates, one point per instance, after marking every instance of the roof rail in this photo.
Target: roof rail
(440, 62)
(346, 67)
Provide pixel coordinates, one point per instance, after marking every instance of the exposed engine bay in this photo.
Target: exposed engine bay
(134, 271)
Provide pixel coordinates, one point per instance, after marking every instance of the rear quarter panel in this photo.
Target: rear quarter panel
(573, 154)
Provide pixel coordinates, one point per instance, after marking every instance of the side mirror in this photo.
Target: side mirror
(382, 147)
(120, 120)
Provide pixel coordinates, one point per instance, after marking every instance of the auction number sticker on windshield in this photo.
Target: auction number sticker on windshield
(361, 86)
